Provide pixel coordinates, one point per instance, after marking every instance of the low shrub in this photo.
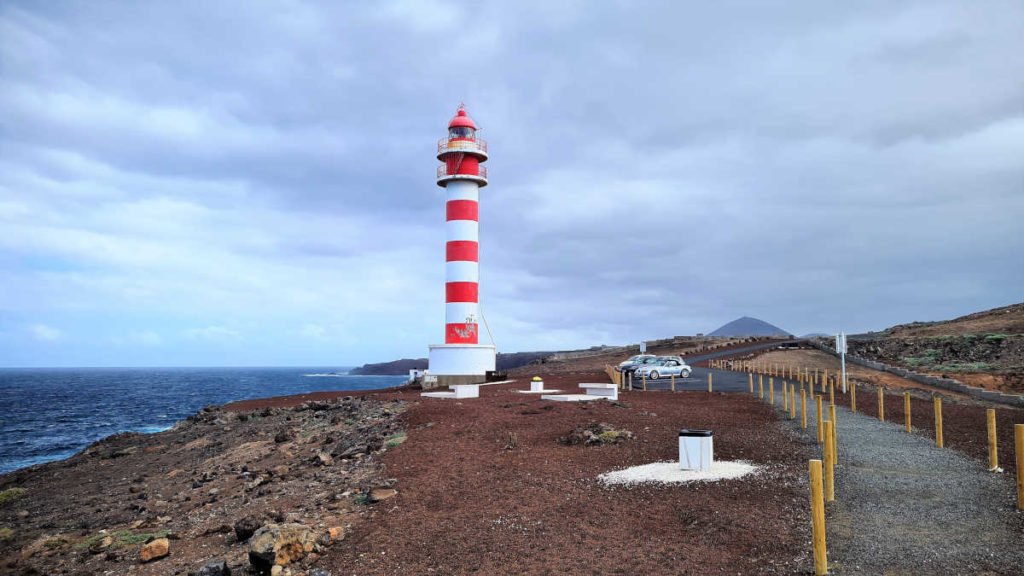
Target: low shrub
(11, 494)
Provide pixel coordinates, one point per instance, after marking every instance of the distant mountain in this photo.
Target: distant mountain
(817, 335)
(747, 326)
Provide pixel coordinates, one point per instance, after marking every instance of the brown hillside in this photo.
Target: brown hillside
(1005, 320)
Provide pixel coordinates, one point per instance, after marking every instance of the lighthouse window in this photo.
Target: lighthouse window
(460, 132)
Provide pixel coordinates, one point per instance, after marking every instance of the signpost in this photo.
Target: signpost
(643, 347)
(841, 350)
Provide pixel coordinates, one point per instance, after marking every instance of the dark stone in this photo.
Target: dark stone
(246, 527)
(214, 568)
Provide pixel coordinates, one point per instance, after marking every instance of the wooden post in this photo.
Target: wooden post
(771, 391)
(818, 519)
(803, 408)
(906, 411)
(835, 431)
(750, 381)
(853, 396)
(673, 382)
(630, 381)
(643, 378)
(760, 386)
(821, 419)
(709, 381)
(792, 401)
(830, 461)
(832, 393)
(938, 421)
(1018, 444)
(993, 442)
(785, 396)
(881, 405)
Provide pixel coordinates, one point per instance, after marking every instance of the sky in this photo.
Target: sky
(212, 184)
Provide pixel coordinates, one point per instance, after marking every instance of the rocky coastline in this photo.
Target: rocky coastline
(231, 490)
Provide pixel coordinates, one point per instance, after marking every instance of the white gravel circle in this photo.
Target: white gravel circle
(670, 473)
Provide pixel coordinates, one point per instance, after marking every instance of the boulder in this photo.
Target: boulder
(155, 550)
(279, 545)
(246, 527)
(378, 494)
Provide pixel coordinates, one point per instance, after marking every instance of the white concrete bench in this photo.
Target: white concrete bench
(600, 389)
(466, 390)
(594, 391)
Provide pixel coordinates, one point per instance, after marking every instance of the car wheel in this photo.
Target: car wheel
(685, 373)
(654, 375)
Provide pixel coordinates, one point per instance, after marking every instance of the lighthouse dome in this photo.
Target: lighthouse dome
(462, 120)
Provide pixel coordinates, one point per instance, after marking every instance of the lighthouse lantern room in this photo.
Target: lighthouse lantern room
(462, 359)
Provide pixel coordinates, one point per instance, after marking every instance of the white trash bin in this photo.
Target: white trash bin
(695, 449)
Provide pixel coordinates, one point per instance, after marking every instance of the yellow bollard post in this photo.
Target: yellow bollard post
(853, 396)
(821, 418)
(906, 411)
(938, 421)
(803, 409)
(881, 405)
(750, 381)
(771, 391)
(709, 381)
(760, 386)
(832, 393)
(792, 401)
(1018, 444)
(785, 397)
(993, 442)
(835, 430)
(818, 519)
(673, 382)
(830, 462)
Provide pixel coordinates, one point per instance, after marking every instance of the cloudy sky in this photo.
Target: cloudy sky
(212, 183)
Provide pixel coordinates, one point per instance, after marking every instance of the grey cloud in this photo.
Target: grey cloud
(655, 169)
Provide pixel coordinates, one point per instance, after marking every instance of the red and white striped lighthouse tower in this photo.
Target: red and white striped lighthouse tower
(462, 359)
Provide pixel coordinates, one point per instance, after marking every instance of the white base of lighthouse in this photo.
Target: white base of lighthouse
(465, 362)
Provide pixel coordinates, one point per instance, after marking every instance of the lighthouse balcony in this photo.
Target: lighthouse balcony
(475, 146)
(446, 174)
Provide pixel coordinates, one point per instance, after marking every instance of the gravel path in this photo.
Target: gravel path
(905, 506)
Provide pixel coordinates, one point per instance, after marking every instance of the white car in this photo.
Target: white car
(663, 367)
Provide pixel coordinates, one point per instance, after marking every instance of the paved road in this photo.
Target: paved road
(721, 380)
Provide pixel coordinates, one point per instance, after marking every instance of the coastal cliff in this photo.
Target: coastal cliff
(505, 361)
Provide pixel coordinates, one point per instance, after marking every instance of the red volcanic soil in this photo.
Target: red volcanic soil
(484, 487)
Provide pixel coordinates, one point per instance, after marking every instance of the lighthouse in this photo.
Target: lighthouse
(462, 359)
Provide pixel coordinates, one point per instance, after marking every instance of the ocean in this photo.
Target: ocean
(48, 414)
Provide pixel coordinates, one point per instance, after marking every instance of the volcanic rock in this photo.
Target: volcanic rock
(279, 545)
(154, 550)
(246, 527)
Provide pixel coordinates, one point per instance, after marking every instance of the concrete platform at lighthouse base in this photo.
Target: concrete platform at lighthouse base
(459, 364)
